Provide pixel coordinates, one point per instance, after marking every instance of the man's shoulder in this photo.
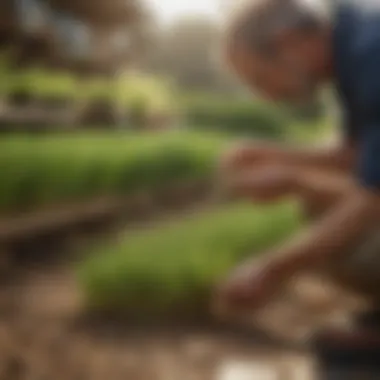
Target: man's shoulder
(356, 5)
(357, 13)
(357, 53)
(366, 40)
(359, 24)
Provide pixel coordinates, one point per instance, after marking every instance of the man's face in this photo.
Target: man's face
(285, 76)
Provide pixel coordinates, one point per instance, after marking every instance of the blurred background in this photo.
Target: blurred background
(113, 114)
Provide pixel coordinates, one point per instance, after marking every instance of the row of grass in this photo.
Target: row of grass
(175, 267)
(39, 170)
(242, 117)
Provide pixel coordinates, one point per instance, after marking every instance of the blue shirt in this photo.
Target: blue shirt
(356, 45)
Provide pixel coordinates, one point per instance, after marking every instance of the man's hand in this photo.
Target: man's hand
(247, 155)
(264, 184)
(242, 156)
(250, 287)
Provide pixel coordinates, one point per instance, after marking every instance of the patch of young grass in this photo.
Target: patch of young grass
(43, 169)
(161, 270)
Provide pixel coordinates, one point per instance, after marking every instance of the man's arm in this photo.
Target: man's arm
(246, 155)
(253, 284)
(359, 211)
(336, 158)
(339, 229)
(349, 220)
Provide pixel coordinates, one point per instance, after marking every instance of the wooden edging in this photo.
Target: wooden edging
(40, 222)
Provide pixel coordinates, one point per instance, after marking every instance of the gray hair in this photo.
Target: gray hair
(255, 24)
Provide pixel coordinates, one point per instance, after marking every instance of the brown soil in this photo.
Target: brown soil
(45, 335)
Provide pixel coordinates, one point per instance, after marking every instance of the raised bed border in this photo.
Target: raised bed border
(68, 215)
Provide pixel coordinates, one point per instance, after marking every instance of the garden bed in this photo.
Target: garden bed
(63, 184)
(39, 171)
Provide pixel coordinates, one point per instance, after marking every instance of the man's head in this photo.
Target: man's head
(280, 48)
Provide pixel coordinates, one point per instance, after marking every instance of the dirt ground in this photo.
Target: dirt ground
(43, 337)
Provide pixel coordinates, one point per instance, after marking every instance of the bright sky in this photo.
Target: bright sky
(169, 10)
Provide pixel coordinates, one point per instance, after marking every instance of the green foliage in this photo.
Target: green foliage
(161, 270)
(143, 97)
(39, 170)
(95, 89)
(4, 74)
(238, 117)
(158, 94)
(42, 84)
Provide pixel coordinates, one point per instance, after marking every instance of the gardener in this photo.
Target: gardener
(286, 50)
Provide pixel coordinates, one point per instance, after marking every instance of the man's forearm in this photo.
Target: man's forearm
(342, 227)
(247, 155)
(340, 159)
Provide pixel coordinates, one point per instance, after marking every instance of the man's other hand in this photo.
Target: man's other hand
(242, 156)
(249, 288)
(265, 184)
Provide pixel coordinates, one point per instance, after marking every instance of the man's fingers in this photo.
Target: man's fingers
(221, 309)
(264, 182)
(240, 156)
(234, 299)
(225, 309)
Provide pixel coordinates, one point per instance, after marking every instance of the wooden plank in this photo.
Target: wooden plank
(30, 224)
(30, 118)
